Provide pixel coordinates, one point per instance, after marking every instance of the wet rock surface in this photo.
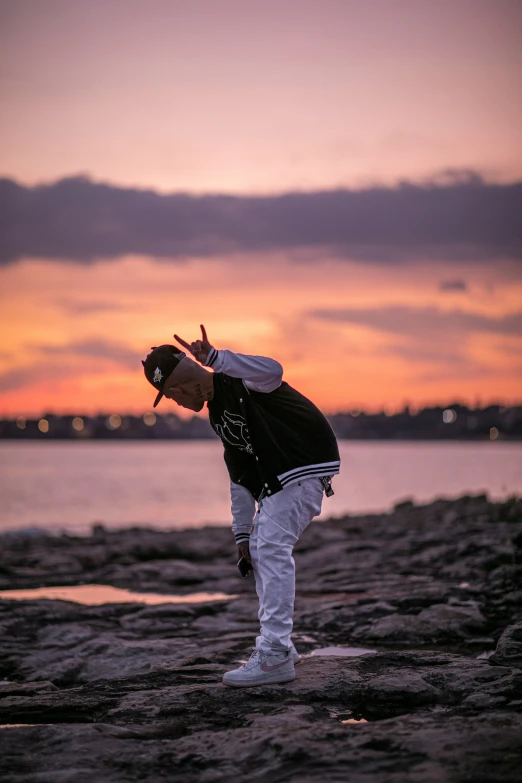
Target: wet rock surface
(129, 691)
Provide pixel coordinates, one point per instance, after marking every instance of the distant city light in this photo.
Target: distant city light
(114, 421)
(149, 419)
(21, 423)
(43, 425)
(77, 424)
(355, 412)
(449, 416)
(493, 433)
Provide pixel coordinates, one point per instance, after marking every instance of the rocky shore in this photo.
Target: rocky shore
(132, 691)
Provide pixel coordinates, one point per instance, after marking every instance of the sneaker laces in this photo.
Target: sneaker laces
(254, 659)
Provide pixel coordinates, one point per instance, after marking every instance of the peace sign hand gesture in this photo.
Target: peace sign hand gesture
(199, 349)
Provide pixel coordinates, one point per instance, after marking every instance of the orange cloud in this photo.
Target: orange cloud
(74, 335)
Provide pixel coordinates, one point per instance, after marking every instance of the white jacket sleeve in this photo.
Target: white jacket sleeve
(243, 511)
(258, 373)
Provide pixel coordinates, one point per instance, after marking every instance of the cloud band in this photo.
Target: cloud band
(81, 221)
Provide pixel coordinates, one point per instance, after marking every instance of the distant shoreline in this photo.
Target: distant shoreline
(438, 423)
(359, 439)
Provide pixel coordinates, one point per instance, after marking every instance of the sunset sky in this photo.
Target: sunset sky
(336, 184)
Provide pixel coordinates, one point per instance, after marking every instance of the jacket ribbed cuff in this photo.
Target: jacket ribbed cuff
(211, 358)
(243, 536)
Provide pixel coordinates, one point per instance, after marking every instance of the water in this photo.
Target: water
(96, 595)
(178, 484)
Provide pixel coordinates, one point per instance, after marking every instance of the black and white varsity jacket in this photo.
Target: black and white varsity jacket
(272, 435)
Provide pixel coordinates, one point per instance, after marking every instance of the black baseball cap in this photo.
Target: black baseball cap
(159, 364)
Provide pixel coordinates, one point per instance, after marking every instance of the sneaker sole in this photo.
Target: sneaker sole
(253, 683)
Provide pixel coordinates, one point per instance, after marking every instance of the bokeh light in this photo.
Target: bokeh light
(449, 416)
(493, 433)
(43, 425)
(77, 424)
(114, 421)
(149, 419)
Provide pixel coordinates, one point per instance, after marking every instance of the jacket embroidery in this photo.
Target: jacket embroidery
(233, 429)
(271, 439)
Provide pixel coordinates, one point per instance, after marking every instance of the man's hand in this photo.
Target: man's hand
(199, 349)
(243, 550)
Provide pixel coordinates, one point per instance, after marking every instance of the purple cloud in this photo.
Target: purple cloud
(56, 362)
(77, 220)
(427, 335)
(424, 321)
(96, 349)
(452, 285)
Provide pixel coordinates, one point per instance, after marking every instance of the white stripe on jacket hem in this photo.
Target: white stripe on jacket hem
(321, 469)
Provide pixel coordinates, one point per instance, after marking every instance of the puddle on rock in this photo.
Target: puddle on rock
(96, 595)
(346, 716)
(347, 652)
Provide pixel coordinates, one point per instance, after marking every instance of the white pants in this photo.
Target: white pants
(278, 523)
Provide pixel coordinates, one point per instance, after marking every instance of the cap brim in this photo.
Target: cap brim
(158, 398)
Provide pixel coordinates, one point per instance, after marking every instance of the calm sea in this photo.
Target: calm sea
(177, 484)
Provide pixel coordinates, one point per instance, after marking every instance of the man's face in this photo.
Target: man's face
(185, 385)
(187, 393)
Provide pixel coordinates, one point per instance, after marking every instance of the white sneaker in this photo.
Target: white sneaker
(295, 655)
(262, 669)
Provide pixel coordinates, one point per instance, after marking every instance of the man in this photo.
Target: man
(281, 452)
